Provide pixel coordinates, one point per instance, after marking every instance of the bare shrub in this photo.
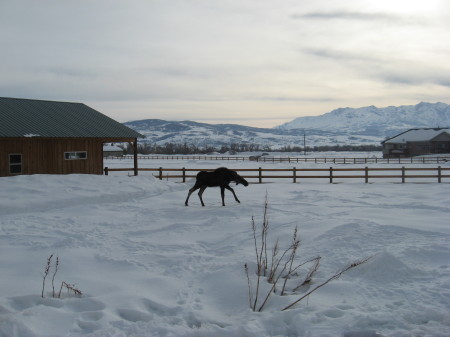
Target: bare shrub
(70, 287)
(282, 266)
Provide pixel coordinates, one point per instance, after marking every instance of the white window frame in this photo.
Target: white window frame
(75, 155)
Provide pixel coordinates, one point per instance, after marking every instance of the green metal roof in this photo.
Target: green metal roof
(35, 118)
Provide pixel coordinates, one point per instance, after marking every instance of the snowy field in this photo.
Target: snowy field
(149, 266)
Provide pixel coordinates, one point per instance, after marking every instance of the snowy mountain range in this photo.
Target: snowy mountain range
(343, 126)
(377, 121)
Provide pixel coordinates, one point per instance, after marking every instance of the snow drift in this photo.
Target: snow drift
(149, 266)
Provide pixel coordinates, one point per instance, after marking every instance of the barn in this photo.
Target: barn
(416, 142)
(51, 137)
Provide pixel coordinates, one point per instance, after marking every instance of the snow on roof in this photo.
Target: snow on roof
(417, 135)
(111, 148)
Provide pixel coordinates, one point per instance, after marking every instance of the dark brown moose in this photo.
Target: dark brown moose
(221, 177)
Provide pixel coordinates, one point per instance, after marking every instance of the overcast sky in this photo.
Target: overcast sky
(251, 62)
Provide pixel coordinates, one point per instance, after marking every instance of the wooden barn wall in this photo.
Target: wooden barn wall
(46, 156)
(443, 137)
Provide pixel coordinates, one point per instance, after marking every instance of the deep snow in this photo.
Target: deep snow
(149, 266)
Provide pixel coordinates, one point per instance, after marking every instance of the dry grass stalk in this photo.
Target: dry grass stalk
(258, 263)
(250, 297)
(261, 251)
(265, 231)
(279, 274)
(274, 261)
(294, 247)
(54, 274)
(334, 277)
(46, 271)
(70, 287)
(272, 289)
(311, 272)
(274, 275)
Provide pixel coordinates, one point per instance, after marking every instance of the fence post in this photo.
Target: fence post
(106, 170)
(260, 175)
(184, 175)
(160, 173)
(403, 174)
(295, 175)
(367, 174)
(439, 174)
(331, 175)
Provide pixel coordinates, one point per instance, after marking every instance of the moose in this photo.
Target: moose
(221, 177)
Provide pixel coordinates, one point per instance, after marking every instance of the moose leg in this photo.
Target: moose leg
(222, 193)
(232, 191)
(189, 194)
(200, 193)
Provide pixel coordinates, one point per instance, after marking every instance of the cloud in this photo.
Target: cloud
(340, 55)
(199, 59)
(365, 17)
(292, 99)
(405, 76)
(346, 15)
(393, 70)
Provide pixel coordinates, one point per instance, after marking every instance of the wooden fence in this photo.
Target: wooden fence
(320, 160)
(261, 175)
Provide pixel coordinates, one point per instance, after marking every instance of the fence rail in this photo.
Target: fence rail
(296, 174)
(318, 160)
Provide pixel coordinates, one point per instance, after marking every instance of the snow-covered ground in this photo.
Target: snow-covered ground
(149, 266)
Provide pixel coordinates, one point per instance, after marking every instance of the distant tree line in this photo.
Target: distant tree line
(173, 148)
(337, 148)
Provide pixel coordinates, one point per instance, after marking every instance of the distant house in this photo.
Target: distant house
(111, 150)
(48, 137)
(416, 142)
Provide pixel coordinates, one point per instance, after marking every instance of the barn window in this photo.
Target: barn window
(15, 163)
(75, 155)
